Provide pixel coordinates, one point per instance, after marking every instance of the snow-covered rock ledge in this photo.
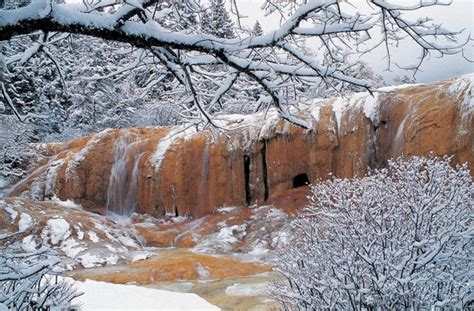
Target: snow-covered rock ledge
(258, 156)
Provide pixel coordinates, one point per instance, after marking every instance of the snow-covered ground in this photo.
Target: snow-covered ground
(81, 238)
(107, 296)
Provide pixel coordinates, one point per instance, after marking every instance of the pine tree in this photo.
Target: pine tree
(217, 22)
(257, 29)
(223, 24)
(206, 23)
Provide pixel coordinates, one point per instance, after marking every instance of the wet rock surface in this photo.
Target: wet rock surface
(180, 172)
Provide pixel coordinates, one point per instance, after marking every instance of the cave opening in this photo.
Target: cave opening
(300, 180)
(248, 197)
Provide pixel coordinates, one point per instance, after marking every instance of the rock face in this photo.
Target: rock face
(178, 171)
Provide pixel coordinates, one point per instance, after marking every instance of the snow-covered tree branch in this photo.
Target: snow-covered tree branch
(28, 283)
(400, 238)
(211, 66)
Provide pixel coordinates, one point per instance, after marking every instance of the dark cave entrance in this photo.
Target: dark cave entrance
(300, 180)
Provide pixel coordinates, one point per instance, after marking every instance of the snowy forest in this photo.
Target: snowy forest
(224, 154)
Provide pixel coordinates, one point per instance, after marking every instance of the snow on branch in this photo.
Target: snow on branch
(178, 37)
(27, 282)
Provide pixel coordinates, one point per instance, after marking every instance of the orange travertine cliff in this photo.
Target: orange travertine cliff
(178, 171)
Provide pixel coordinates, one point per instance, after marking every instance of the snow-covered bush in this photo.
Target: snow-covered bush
(27, 282)
(400, 238)
(14, 148)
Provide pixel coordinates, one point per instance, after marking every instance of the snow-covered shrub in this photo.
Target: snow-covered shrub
(14, 148)
(27, 282)
(400, 238)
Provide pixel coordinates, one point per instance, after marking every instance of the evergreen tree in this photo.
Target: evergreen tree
(206, 22)
(257, 29)
(217, 22)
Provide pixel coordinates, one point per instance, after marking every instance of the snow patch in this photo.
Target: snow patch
(239, 289)
(72, 248)
(369, 104)
(226, 234)
(57, 229)
(80, 233)
(259, 249)
(128, 241)
(141, 256)
(107, 296)
(315, 112)
(338, 107)
(12, 213)
(51, 175)
(112, 259)
(68, 203)
(3, 182)
(464, 86)
(173, 136)
(225, 210)
(29, 243)
(89, 260)
(93, 236)
(391, 88)
(24, 223)
(78, 157)
(111, 248)
(461, 83)
(202, 272)
(371, 108)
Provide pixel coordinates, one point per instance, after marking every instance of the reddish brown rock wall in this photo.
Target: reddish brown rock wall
(199, 172)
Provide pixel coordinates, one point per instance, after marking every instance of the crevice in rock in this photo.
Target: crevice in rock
(264, 171)
(248, 196)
